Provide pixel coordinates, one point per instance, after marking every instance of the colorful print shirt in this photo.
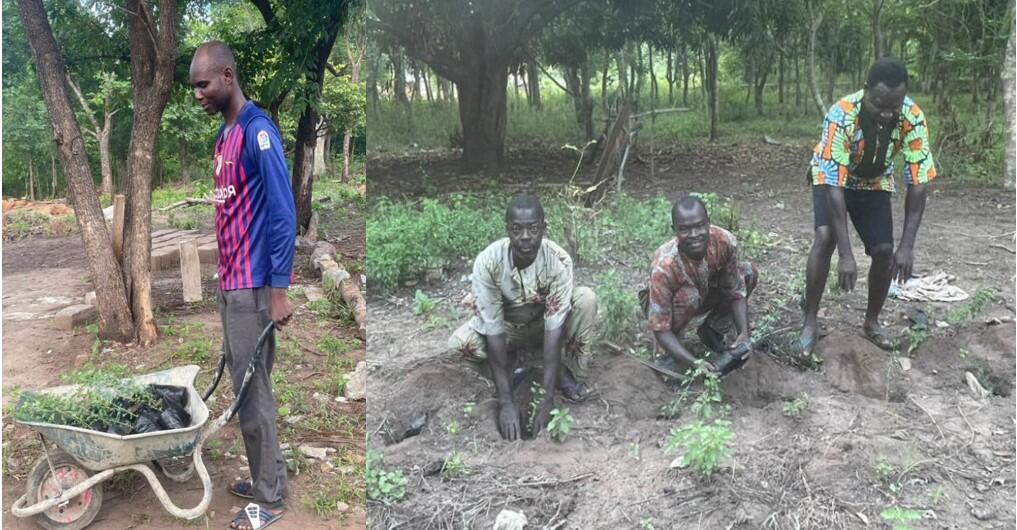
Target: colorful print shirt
(679, 286)
(504, 294)
(839, 152)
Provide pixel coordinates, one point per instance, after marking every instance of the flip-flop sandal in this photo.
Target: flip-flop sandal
(266, 517)
(242, 489)
(807, 347)
(879, 339)
(575, 394)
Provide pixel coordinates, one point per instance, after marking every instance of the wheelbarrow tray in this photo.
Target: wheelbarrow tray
(99, 451)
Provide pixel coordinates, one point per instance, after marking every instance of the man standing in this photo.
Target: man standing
(255, 220)
(852, 175)
(524, 298)
(696, 279)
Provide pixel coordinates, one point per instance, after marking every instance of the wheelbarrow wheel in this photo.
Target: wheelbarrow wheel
(77, 513)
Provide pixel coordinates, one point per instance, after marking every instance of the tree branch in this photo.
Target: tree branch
(84, 105)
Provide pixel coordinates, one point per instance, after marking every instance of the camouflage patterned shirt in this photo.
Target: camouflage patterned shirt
(679, 286)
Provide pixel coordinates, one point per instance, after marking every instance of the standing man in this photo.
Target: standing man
(697, 279)
(852, 175)
(524, 298)
(255, 221)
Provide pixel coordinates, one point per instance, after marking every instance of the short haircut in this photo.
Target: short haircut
(219, 55)
(524, 201)
(887, 70)
(687, 203)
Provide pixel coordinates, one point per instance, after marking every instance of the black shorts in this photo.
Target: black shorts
(870, 211)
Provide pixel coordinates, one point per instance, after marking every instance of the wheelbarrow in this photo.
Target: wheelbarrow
(65, 485)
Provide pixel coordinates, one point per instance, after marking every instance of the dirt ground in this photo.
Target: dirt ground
(42, 275)
(872, 436)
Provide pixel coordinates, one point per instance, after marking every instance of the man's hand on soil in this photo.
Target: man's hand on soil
(280, 308)
(508, 421)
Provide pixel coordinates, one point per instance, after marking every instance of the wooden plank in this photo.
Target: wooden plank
(190, 271)
(119, 203)
(165, 258)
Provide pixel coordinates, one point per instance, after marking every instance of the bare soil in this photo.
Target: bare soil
(42, 275)
(872, 436)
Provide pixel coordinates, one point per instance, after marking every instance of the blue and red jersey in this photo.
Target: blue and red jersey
(255, 216)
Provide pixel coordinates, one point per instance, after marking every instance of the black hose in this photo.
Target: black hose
(249, 374)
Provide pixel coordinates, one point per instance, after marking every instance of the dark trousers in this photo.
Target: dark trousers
(245, 313)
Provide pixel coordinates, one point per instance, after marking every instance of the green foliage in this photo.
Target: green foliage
(384, 486)
(974, 306)
(560, 424)
(537, 394)
(453, 466)
(422, 304)
(468, 408)
(887, 474)
(103, 399)
(24, 223)
(452, 428)
(796, 407)
(706, 444)
(706, 441)
(899, 516)
(618, 306)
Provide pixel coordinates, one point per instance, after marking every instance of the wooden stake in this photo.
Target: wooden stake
(190, 271)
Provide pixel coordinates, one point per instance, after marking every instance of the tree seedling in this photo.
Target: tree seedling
(560, 424)
(422, 304)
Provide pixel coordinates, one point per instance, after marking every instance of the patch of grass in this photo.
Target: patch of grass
(973, 307)
(422, 304)
(332, 491)
(899, 517)
(797, 407)
(887, 474)
(191, 217)
(196, 351)
(453, 466)
(383, 485)
(22, 223)
(335, 346)
(618, 306)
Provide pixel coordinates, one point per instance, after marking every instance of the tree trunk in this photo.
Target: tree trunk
(831, 79)
(669, 75)
(603, 85)
(653, 77)
(686, 73)
(877, 31)
(533, 84)
(712, 56)
(31, 180)
(398, 76)
(53, 181)
(153, 59)
(105, 159)
(816, 96)
(111, 295)
(761, 75)
(586, 75)
(798, 80)
(319, 150)
(623, 78)
(347, 153)
(780, 77)
(185, 166)
(1009, 101)
(427, 84)
(482, 111)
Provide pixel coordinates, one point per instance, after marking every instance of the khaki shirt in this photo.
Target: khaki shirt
(504, 294)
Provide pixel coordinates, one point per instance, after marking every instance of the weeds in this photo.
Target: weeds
(899, 517)
(974, 306)
(21, 223)
(618, 306)
(453, 466)
(796, 407)
(706, 441)
(422, 304)
(384, 486)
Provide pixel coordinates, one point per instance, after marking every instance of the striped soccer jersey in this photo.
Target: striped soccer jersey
(255, 216)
